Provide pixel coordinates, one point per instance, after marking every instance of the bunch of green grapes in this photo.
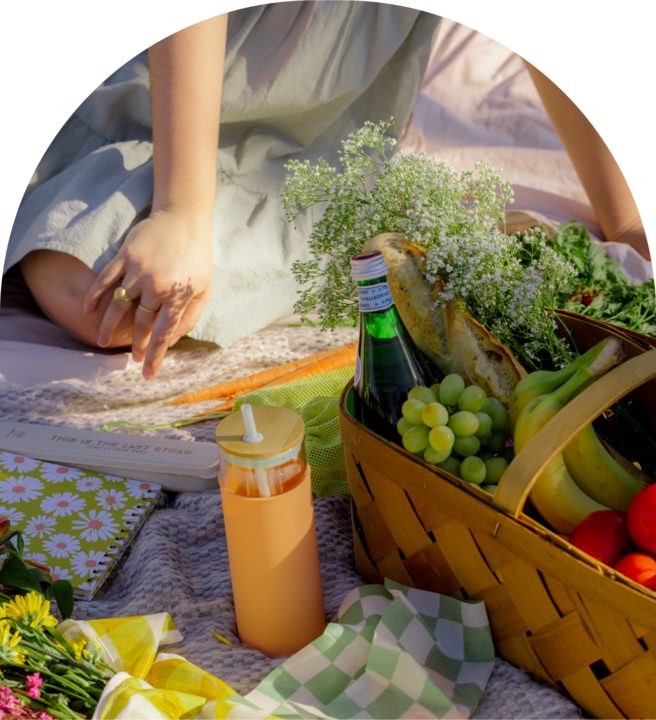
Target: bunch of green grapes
(459, 429)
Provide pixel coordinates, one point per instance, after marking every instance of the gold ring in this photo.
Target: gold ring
(120, 294)
(152, 312)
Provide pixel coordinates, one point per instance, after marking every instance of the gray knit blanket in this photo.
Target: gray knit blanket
(179, 562)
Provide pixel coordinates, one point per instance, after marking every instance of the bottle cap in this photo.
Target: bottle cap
(282, 429)
(368, 266)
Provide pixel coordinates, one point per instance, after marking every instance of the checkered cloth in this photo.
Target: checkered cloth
(396, 652)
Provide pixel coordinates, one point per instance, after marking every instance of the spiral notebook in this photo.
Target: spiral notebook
(78, 523)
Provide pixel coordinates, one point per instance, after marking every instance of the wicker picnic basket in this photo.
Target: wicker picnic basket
(553, 610)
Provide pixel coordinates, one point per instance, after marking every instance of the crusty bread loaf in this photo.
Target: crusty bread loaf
(454, 341)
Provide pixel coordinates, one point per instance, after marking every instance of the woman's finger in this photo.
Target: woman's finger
(106, 278)
(144, 320)
(116, 309)
(163, 332)
(192, 313)
(186, 323)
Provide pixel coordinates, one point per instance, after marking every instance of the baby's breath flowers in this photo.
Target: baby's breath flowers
(508, 284)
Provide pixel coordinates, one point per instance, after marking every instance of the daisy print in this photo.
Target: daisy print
(88, 586)
(111, 499)
(39, 526)
(13, 462)
(59, 473)
(87, 484)
(10, 514)
(58, 573)
(24, 487)
(37, 557)
(97, 525)
(139, 489)
(61, 545)
(87, 564)
(60, 504)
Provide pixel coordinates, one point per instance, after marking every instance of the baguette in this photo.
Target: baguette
(450, 338)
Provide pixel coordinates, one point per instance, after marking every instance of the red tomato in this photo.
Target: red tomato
(642, 519)
(640, 568)
(604, 535)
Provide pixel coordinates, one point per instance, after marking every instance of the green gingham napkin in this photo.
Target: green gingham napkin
(396, 652)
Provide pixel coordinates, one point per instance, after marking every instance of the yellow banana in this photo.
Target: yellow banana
(597, 472)
(555, 494)
(540, 382)
(543, 382)
(559, 499)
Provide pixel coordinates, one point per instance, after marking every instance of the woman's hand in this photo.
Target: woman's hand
(165, 265)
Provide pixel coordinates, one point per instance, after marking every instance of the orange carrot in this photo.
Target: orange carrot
(258, 380)
(334, 362)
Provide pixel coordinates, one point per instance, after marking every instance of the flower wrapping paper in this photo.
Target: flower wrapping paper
(395, 652)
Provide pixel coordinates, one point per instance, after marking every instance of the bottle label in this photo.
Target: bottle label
(358, 370)
(373, 298)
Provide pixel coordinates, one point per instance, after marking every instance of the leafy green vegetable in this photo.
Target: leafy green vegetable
(600, 289)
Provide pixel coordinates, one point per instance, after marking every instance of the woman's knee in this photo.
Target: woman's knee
(58, 281)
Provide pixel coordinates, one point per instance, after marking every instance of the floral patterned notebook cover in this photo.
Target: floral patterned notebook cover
(78, 523)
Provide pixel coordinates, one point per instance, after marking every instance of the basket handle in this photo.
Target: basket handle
(522, 473)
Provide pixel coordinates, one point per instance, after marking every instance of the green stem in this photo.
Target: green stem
(35, 650)
(107, 427)
(64, 682)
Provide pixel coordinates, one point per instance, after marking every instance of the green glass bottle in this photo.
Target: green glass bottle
(388, 362)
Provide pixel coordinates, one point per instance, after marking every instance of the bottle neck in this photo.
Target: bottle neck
(372, 281)
(374, 295)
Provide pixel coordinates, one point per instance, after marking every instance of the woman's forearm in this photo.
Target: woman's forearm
(595, 165)
(186, 76)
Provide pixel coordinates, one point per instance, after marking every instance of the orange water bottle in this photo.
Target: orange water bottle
(270, 530)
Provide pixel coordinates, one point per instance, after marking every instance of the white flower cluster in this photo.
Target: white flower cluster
(506, 283)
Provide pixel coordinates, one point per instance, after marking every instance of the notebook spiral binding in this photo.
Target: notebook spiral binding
(123, 541)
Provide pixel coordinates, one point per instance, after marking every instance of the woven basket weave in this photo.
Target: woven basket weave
(553, 610)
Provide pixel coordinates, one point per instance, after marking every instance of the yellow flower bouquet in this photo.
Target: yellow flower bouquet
(44, 675)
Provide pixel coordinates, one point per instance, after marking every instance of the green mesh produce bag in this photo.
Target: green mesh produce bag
(316, 400)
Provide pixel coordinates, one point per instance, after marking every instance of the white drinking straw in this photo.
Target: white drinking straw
(253, 436)
(263, 482)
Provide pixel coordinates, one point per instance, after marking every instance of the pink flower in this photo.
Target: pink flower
(12, 709)
(34, 682)
(10, 705)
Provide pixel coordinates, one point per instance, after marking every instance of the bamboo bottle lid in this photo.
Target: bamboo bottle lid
(282, 429)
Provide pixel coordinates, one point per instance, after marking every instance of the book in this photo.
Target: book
(77, 522)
